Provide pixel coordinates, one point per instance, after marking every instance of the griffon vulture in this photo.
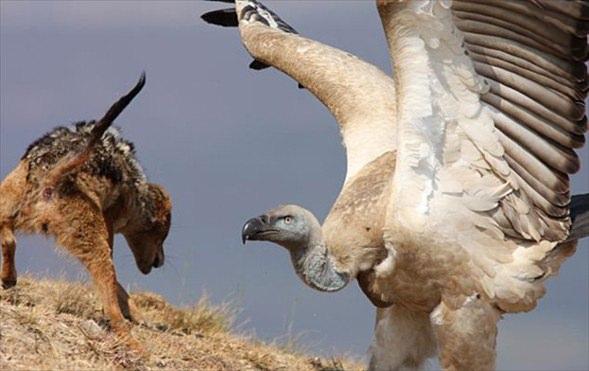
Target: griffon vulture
(456, 204)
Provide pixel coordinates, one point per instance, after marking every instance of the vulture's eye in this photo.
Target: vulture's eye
(288, 219)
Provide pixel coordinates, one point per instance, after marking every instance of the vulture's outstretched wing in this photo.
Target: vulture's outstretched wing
(491, 103)
(358, 94)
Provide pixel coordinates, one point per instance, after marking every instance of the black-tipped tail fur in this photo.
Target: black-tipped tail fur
(115, 110)
(70, 164)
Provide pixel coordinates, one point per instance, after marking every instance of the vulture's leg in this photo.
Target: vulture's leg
(466, 336)
(403, 340)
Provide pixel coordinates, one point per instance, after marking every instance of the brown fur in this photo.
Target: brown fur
(83, 210)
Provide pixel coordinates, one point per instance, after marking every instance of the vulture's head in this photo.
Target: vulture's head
(299, 231)
(290, 226)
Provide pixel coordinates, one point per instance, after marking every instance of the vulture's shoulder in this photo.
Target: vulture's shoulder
(357, 216)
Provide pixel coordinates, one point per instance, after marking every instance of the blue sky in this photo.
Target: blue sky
(228, 143)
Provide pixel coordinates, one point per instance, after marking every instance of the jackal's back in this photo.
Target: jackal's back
(113, 157)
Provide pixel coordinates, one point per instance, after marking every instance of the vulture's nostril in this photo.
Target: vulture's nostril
(264, 218)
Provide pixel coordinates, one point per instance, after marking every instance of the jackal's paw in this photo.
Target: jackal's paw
(134, 315)
(123, 332)
(136, 347)
(8, 282)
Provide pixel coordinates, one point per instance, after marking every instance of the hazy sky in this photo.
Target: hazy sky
(229, 143)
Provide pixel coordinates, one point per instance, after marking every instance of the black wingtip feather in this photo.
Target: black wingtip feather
(222, 17)
(579, 217)
(257, 65)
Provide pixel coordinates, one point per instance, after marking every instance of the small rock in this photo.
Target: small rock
(91, 328)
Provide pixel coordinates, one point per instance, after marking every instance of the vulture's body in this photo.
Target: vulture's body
(456, 203)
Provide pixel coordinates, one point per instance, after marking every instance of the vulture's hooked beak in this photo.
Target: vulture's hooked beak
(253, 228)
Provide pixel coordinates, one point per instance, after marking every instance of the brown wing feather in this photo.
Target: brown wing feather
(532, 55)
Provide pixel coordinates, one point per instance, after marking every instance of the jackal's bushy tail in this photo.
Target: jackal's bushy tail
(71, 163)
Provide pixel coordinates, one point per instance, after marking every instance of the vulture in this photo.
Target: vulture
(456, 204)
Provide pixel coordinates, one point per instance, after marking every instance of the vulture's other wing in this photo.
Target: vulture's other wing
(491, 105)
(358, 94)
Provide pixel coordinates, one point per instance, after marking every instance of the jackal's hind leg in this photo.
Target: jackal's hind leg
(12, 191)
(8, 274)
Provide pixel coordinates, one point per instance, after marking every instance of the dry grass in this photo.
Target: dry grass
(202, 318)
(58, 325)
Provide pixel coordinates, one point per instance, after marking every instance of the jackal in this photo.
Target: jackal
(82, 184)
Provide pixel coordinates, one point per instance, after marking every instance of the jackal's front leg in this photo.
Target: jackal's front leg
(129, 309)
(83, 231)
(101, 269)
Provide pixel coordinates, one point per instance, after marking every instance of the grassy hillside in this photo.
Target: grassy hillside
(59, 325)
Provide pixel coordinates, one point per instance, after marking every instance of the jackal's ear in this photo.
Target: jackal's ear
(160, 194)
(160, 203)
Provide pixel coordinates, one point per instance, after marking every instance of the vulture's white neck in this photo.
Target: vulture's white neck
(316, 268)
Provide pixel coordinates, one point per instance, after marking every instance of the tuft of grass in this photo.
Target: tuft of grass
(201, 318)
(332, 364)
(293, 343)
(204, 317)
(78, 301)
(18, 295)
